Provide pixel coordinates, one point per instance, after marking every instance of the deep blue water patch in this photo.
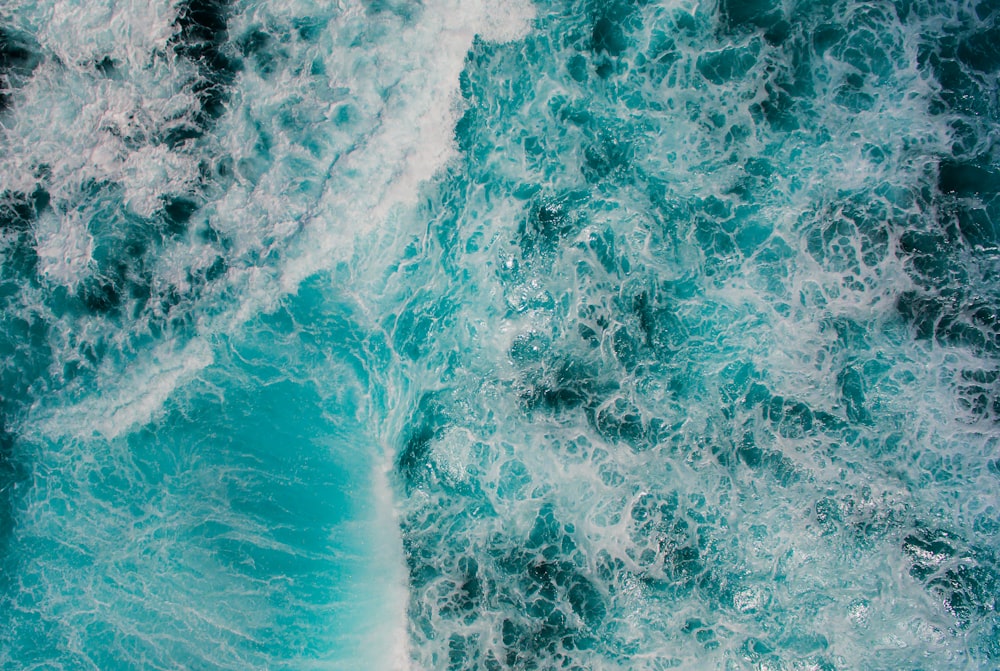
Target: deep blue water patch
(203, 38)
(19, 56)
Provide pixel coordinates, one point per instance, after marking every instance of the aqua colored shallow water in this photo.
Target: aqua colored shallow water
(475, 335)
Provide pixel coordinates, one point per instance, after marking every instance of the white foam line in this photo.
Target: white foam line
(413, 139)
(410, 143)
(392, 639)
(135, 400)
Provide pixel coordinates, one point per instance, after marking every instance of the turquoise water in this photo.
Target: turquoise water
(480, 335)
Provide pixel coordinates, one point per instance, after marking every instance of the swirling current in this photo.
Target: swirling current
(477, 335)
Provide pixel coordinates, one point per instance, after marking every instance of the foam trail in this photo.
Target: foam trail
(308, 191)
(170, 172)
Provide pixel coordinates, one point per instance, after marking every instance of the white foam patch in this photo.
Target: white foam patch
(149, 172)
(416, 113)
(84, 130)
(64, 247)
(501, 21)
(82, 33)
(133, 401)
(388, 642)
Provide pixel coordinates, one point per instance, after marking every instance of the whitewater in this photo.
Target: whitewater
(465, 334)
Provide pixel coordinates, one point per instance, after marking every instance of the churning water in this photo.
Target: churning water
(468, 334)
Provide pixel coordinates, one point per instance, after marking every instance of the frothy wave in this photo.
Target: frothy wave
(584, 335)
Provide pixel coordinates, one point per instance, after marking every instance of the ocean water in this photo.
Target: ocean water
(467, 334)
